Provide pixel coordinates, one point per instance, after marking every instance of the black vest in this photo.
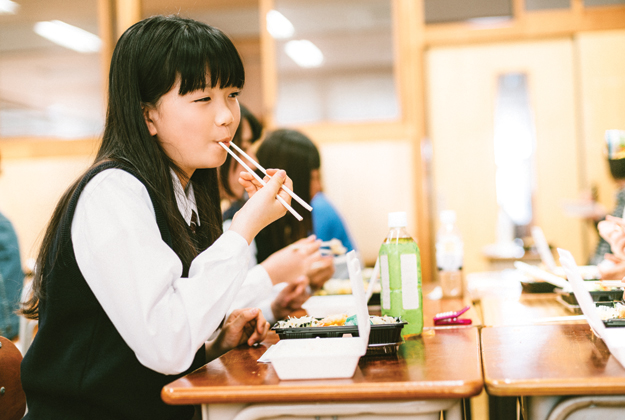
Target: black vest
(78, 366)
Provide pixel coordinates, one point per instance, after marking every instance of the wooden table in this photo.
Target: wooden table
(527, 309)
(430, 374)
(546, 362)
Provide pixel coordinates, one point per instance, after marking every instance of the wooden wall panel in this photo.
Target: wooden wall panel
(462, 90)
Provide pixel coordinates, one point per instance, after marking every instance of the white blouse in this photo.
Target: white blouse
(136, 277)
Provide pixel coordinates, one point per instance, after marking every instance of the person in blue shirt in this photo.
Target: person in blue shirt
(11, 279)
(327, 222)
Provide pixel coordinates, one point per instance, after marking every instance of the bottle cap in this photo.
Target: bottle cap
(397, 219)
(448, 217)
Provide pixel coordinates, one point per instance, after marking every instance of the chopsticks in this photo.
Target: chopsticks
(259, 179)
(288, 191)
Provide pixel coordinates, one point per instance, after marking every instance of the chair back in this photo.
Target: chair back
(12, 397)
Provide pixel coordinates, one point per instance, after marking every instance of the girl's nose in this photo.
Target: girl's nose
(225, 116)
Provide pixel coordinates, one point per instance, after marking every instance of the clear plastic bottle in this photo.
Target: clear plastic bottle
(400, 274)
(449, 255)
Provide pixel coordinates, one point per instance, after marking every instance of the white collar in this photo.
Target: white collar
(184, 199)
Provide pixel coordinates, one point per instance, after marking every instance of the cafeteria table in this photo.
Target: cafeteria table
(429, 375)
(548, 364)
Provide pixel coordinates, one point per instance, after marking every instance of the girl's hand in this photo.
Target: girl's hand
(242, 326)
(293, 261)
(614, 269)
(320, 272)
(290, 298)
(262, 208)
(612, 229)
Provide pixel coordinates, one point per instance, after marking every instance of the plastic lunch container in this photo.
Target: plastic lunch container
(383, 338)
(331, 357)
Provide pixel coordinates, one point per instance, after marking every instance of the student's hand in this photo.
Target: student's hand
(242, 326)
(262, 208)
(612, 229)
(611, 268)
(290, 298)
(320, 272)
(293, 261)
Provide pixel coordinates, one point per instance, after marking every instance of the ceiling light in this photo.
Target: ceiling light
(8, 7)
(304, 53)
(68, 36)
(278, 25)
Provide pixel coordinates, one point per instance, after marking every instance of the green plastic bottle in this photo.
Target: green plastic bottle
(400, 274)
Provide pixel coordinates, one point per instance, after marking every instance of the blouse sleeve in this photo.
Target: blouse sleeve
(136, 277)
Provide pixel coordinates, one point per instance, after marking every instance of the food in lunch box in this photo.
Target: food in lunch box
(336, 246)
(332, 321)
(612, 312)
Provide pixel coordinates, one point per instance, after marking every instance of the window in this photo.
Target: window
(514, 151)
(334, 61)
(441, 11)
(51, 82)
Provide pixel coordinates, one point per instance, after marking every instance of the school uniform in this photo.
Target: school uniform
(121, 319)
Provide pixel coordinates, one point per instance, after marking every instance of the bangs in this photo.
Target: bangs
(205, 52)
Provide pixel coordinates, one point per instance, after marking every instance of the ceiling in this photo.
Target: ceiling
(47, 90)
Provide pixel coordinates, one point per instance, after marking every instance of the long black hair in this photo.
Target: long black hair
(294, 152)
(148, 60)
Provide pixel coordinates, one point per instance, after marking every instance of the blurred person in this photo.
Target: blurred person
(615, 151)
(293, 150)
(11, 279)
(286, 269)
(232, 192)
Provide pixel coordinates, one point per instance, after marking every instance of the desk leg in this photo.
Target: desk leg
(421, 410)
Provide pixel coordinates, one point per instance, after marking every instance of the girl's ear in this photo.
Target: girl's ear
(148, 112)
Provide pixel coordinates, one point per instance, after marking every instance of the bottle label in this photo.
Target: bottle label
(410, 281)
(386, 284)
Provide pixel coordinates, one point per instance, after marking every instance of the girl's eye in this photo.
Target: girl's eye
(206, 99)
(235, 94)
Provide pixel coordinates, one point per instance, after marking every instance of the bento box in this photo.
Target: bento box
(568, 299)
(325, 358)
(384, 338)
(611, 313)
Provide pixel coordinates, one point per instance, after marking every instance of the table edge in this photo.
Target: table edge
(319, 393)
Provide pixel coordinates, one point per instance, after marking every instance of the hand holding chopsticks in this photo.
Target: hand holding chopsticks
(262, 182)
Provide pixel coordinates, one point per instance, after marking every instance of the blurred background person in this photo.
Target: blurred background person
(286, 268)
(11, 279)
(292, 149)
(232, 193)
(612, 267)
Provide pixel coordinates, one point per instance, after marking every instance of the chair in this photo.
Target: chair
(590, 407)
(12, 397)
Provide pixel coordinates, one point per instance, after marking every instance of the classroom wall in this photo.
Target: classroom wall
(366, 181)
(462, 91)
(29, 190)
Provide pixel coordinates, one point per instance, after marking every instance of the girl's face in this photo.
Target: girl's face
(190, 127)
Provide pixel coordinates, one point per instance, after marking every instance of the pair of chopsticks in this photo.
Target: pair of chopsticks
(259, 179)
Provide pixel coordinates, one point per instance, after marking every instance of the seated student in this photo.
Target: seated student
(293, 151)
(287, 268)
(609, 266)
(11, 279)
(134, 274)
(232, 193)
(327, 222)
